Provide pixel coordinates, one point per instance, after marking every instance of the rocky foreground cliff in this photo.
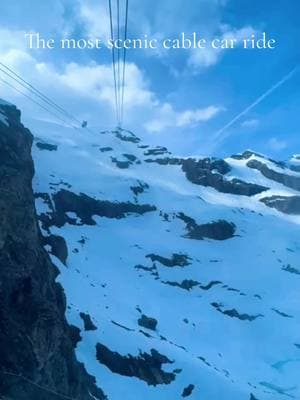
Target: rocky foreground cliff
(37, 357)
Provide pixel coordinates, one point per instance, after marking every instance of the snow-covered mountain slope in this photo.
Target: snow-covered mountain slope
(183, 275)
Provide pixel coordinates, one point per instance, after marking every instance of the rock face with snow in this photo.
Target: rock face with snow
(36, 343)
(181, 274)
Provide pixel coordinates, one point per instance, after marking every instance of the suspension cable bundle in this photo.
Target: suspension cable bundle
(119, 75)
(118, 59)
(36, 96)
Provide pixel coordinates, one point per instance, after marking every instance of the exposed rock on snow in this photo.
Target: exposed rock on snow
(286, 179)
(176, 260)
(217, 230)
(86, 207)
(88, 323)
(58, 246)
(285, 204)
(147, 322)
(147, 367)
(188, 391)
(127, 137)
(233, 313)
(46, 146)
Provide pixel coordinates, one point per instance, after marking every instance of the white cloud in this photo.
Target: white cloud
(94, 16)
(166, 117)
(250, 123)
(89, 89)
(80, 88)
(277, 144)
(95, 81)
(203, 58)
(147, 20)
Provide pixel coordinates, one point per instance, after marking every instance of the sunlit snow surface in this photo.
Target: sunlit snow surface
(242, 357)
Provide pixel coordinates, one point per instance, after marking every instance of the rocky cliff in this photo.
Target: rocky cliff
(37, 356)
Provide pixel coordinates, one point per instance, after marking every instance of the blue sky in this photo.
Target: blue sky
(180, 98)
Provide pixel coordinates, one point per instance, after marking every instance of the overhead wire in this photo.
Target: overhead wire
(37, 92)
(41, 96)
(124, 61)
(37, 103)
(119, 75)
(113, 59)
(119, 67)
(118, 55)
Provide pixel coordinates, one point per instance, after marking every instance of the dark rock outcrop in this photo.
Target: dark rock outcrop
(188, 391)
(87, 321)
(85, 208)
(126, 136)
(245, 155)
(139, 188)
(147, 322)
(165, 161)
(177, 260)
(291, 270)
(214, 165)
(189, 284)
(216, 230)
(130, 159)
(285, 204)
(285, 179)
(36, 343)
(152, 270)
(186, 284)
(233, 313)
(282, 314)
(249, 153)
(58, 246)
(147, 367)
(46, 146)
(156, 151)
(120, 163)
(211, 173)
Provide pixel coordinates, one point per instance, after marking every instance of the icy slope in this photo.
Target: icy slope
(183, 275)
